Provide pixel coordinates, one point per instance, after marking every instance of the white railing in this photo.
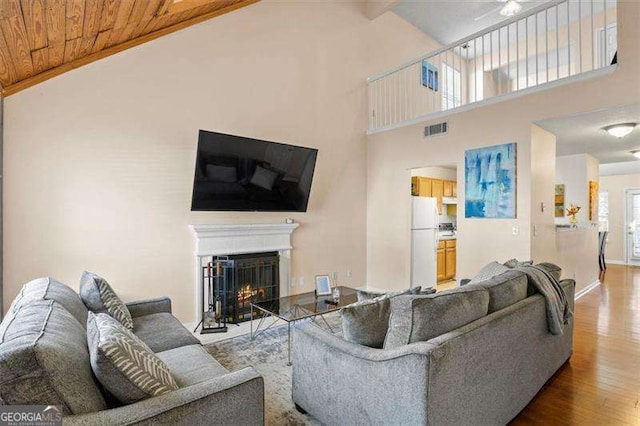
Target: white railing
(555, 41)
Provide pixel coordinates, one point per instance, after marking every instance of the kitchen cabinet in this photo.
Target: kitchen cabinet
(450, 259)
(447, 188)
(446, 260)
(421, 186)
(441, 267)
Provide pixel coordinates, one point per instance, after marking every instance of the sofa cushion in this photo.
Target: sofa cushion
(488, 271)
(191, 364)
(420, 318)
(125, 366)
(44, 360)
(366, 321)
(98, 295)
(162, 331)
(48, 288)
(504, 289)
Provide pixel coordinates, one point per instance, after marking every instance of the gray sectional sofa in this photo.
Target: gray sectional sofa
(481, 373)
(44, 360)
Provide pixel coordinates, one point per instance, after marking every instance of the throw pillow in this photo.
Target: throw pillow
(264, 178)
(125, 366)
(98, 295)
(488, 272)
(420, 318)
(366, 321)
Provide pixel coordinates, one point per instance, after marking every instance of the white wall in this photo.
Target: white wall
(616, 186)
(99, 161)
(543, 166)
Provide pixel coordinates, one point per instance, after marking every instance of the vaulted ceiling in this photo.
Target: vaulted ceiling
(40, 39)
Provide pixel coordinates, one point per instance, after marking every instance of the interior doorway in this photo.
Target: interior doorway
(632, 226)
(434, 186)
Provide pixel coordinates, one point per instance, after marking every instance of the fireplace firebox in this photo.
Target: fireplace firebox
(253, 277)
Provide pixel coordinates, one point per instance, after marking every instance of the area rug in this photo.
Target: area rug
(268, 355)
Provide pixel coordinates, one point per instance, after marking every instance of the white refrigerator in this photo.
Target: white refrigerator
(424, 241)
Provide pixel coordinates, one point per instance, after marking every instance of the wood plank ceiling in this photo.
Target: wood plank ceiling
(40, 39)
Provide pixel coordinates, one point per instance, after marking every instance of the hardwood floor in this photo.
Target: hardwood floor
(600, 385)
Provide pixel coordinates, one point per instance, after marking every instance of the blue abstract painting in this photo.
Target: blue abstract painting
(490, 182)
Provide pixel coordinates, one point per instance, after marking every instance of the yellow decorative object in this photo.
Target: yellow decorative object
(572, 212)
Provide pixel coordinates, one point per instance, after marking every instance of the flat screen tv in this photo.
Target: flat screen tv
(235, 173)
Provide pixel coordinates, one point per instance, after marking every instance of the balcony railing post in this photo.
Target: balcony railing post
(518, 55)
(557, 44)
(580, 33)
(568, 40)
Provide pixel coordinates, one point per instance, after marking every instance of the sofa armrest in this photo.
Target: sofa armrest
(150, 306)
(339, 382)
(234, 398)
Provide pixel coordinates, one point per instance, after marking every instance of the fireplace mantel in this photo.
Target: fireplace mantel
(221, 240)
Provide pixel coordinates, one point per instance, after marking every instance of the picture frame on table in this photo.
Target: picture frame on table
(323, 285)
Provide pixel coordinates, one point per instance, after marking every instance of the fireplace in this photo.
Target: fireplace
(253, 277)
(229, 241)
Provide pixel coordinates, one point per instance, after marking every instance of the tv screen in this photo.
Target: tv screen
(235, 173)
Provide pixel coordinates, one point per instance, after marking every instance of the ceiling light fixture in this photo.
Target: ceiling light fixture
(619, 130)
(636, 154)
(511, 8)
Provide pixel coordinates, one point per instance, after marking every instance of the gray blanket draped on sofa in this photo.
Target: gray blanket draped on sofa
(558, 309)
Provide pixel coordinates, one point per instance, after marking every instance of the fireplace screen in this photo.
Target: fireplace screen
(252, 277)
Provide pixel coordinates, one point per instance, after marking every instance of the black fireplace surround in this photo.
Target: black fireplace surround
(253, 277)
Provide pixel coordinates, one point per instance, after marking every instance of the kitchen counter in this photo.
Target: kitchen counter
(447, 237)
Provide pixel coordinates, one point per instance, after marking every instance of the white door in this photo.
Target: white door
(632, 227)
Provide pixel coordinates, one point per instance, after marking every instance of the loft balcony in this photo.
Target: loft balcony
(556, 43)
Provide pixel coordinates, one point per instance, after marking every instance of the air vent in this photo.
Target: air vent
(435, 129)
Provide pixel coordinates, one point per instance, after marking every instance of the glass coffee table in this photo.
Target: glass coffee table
(298, 307)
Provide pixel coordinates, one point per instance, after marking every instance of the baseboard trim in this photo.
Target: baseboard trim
(615, 262)
(587, 289)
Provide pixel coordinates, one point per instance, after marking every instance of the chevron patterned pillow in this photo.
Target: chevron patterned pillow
(98, 295)
(124, 365)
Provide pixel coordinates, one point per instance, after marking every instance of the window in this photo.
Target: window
(603, 211)
(451, 88)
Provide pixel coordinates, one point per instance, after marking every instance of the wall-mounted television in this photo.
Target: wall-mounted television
(234, 173)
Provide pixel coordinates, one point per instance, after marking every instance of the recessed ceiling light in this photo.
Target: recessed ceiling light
(636, 154)
(619, 130)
